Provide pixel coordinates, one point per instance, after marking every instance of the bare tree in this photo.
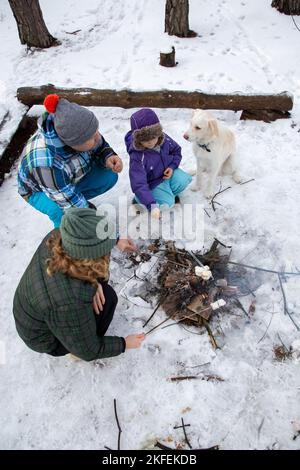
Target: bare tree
(177, 19)
(31, 26)
(288, 7)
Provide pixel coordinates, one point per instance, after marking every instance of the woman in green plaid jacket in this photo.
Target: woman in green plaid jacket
(63, 303)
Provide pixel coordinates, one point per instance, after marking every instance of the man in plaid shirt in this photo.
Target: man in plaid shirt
(67, 161)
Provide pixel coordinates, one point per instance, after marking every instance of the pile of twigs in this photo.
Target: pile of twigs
(186, 297)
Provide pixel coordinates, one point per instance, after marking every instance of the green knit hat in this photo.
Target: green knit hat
(82, 237)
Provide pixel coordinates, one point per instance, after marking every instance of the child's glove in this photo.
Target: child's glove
(155, 213)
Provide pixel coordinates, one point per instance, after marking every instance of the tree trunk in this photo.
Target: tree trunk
(288, 7)
(31, 26)
(177, 19)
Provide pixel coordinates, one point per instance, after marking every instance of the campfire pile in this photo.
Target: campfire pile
(193, 286)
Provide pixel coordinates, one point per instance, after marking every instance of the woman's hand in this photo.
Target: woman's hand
(134, 341)
(168, 173)
(98, 300)
(114, 163)
(127, 245)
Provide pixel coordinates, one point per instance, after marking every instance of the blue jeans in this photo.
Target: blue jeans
(97, 181)
(164, 194)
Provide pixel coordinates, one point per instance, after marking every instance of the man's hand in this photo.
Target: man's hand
(168, 173)
(134, 341)
(98, 300)
(114, 163)
(125, 244)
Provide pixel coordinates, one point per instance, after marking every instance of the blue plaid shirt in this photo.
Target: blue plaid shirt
(48, 165)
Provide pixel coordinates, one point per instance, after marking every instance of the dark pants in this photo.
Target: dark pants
(103, 320)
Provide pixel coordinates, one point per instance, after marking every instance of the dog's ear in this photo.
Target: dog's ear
(213, 126)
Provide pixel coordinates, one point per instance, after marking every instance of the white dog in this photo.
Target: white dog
(214, 149)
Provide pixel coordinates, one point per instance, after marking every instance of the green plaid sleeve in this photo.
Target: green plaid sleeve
(74, 326)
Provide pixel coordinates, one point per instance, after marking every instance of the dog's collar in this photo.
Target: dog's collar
(204, 146)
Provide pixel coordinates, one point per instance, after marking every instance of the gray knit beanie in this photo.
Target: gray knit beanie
(86, 235)
(73, 123)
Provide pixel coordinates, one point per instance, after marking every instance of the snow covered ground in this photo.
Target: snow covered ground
(49, 403)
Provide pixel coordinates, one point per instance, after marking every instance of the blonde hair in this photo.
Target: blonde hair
(89, 270)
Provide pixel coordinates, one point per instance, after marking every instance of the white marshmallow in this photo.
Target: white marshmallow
(217, 304)
(204, 272)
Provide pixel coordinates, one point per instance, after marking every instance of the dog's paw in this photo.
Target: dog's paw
(195, 187)
(192, 172)
(237, 178)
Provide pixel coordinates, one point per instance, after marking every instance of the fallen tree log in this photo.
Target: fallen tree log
(281, 102)
(266, 115)
(26, 128)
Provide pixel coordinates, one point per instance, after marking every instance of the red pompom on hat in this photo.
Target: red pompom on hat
(50, 103)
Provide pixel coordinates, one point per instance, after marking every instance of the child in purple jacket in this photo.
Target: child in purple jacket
(154, 175)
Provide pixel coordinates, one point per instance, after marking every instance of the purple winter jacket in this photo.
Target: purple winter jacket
(146, 167)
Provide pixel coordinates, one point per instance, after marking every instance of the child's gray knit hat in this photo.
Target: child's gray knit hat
(73, 123)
